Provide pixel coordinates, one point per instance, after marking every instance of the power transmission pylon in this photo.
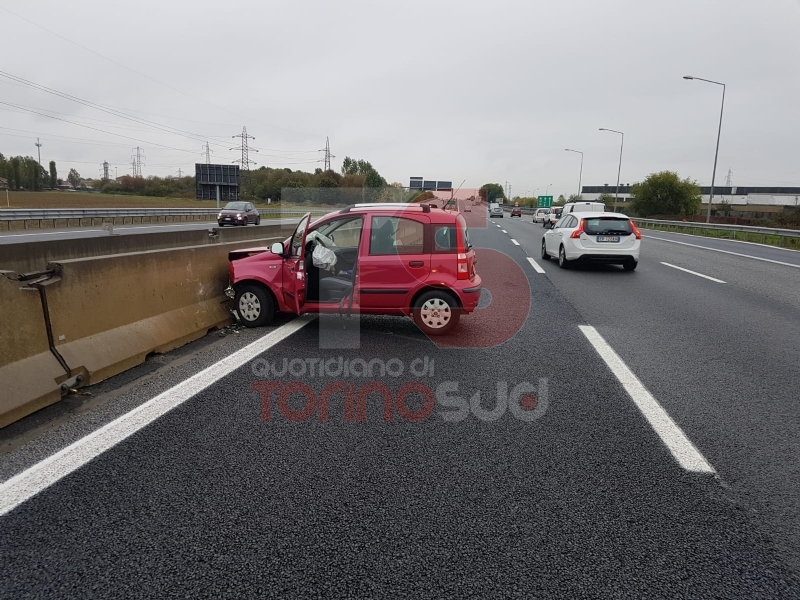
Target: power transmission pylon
(137, 162)
(105, 170)
(328, 155)
(180, 173)
(207, 152)
(245, 161)
(728, 180)
(39, 150)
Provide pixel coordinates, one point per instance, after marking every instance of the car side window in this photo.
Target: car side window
(347, 235)
(396, 235)
(445, 238)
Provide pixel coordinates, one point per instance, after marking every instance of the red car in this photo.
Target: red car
(390, 259)
(516, 212)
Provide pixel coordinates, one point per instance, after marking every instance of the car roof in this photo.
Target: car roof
(436, 214)
(600, 213)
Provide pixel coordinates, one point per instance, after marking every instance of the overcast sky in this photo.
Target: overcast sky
(456, 90)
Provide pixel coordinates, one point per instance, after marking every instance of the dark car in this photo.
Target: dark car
(516, 212)
(238, 213)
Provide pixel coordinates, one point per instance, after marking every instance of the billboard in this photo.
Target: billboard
(210, 177)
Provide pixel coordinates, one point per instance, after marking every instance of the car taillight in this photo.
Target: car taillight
(463, 267)
(577, 233)
(636, 232)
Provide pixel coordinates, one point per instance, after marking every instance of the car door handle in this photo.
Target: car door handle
(416, 263)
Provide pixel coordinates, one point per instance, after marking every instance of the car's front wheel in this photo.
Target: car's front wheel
(258, 220)
(436, 313)
(254, 305)
(562, 258)
(545, 255)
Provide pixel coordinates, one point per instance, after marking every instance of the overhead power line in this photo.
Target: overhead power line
(58, 35)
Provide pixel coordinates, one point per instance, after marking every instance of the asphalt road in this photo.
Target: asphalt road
(573, 495)
(39, 235)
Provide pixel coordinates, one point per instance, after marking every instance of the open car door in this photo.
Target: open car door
(294, 268)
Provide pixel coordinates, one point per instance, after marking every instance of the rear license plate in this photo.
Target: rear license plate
(608, 238)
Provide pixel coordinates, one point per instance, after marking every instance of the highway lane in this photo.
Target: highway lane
(584, 501)
(723, 357)
(757, 252)
(38, 235)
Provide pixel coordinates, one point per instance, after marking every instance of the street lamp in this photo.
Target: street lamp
(622, 143)
(719, 132)
(580, 175)
(547, 189)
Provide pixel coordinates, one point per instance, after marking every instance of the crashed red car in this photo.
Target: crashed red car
(382, 259)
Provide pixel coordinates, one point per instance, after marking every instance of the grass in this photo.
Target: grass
(744, 236)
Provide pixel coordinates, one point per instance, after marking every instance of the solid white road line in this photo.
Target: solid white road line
(515, 242)
(42, 475)
(681, 447)
(777, 262)
(693, 235)
(692, 272)
(535, 265)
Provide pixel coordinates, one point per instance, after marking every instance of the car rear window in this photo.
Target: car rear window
(607, 226)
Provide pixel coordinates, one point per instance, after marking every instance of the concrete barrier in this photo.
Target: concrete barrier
(108, 313)
(26, 257)
(95, 317)
(30, 374)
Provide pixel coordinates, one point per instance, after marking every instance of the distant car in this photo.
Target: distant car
(238, 213)
(593, 237)
(553, 216)
(467, 209)
(495, 210)
(516, 212)
(540, 214)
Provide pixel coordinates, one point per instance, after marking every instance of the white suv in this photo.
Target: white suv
(593, 237)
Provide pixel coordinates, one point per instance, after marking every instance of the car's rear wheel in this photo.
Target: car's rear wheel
(562, 258)
(436, 313)
(254, 305)
(630, 265)
(545, 255)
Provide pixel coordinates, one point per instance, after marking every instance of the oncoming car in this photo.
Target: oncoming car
(380, 259)
(238, 213)
(593, 237)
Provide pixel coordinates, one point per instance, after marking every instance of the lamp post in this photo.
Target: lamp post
(719, 133)
(547, 189)
(619, 170)
(580, 175)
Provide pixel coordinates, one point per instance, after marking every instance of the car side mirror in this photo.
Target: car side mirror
(277, 248)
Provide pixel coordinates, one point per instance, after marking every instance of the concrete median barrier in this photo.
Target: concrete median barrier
(87, 319)
(24, 257)
(30, 373)
(108, 313)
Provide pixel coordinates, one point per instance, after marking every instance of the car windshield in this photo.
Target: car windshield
(235, 206)
(607, 226)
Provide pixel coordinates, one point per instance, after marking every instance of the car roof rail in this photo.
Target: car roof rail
(347, 209)
(426, 208)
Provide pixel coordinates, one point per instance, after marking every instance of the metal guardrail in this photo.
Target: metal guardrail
(757, 232)
(140, 215)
